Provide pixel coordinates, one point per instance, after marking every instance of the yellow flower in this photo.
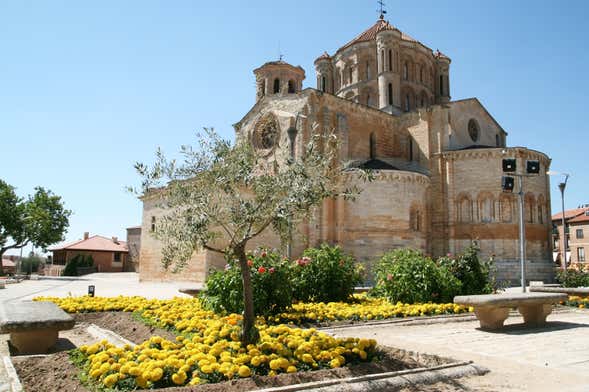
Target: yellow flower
(244, 371)
(179, 378)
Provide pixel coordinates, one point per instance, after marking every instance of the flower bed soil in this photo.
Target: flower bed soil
(55, 372)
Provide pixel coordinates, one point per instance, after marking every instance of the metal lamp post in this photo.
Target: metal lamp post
(562, 187)
(508, 184)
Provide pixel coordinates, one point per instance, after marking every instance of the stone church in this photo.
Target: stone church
(437, 162)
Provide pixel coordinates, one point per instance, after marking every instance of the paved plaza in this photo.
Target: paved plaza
(551, 358)
(106, 285)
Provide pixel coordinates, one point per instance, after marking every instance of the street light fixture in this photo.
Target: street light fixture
(562, 187)
(509, 166)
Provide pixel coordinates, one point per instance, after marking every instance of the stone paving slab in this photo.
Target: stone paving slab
(554, 357)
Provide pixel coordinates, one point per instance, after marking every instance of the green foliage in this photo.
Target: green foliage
(31, 263)
(270, 275)
(407, 276)
(475, 275)
(573, 277)
(78, 261)
(40, 220)
(219, 196)
(325, 274)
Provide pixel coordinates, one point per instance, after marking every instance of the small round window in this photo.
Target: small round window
(473, 130)
(265, 136)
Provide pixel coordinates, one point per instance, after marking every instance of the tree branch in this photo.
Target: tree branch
(212, 249)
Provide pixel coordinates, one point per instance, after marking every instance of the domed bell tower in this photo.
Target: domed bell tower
(278, 78)
(443, 79)
(324, 69)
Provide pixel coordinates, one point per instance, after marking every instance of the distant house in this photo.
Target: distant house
(9, 266)
(577, 225)
(109, 254)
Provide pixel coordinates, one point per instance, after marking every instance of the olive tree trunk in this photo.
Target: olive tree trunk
(249, 333)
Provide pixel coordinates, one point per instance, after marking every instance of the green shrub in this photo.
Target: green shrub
(30, 264)
(573, 277)
(79, 260)
(475, 276)
(325, 274)
(270, 280)
(405, 275)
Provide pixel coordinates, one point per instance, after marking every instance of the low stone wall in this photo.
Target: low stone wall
(510, 271)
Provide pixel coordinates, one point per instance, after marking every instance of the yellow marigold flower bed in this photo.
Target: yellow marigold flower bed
(208, 357)
(208, 347)
(364, 309)
(578, 302)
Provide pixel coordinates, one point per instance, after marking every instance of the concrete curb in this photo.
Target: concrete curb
(100, 334)
(9, 381)
(418, 320)
(14, 382)
(389, 380)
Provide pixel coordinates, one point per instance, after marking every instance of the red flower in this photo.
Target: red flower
(271, 270)
(389, 277)
(250, 263)
(264, 254)
(261, 270)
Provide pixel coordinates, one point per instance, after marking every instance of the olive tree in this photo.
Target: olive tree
(40, 219)
(221, 195)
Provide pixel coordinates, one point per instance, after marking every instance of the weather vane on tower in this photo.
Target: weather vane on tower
(381, 10)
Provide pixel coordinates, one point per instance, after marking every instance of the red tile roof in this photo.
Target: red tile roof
(581, 218)
(96, 243)
(568, 214)
(8, 263)
(370, 34)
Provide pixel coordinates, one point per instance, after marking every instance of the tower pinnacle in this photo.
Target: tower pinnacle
(381, 9)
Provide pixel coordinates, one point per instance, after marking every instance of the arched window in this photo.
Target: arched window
(410, 148)
(497, 141)
(390, 60)
(372, 145)
(415, 219)
(323, 84)
(422, 101)
(368, 73)
(486, 213)
(351, 75)
(540, 209)
(390, 93)
(464, 209)
(291, 86)
(421, 73)
(441, 85)
(368, 103)
(530, 207)
(382, 61)
(405, 71)
(276, 86)
(407, 103)
(505, 207)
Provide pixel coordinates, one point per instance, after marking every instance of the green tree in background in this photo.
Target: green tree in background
(40, 219)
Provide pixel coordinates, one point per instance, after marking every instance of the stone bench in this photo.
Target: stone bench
(194, 292)
(492, 309)
(580, 291)
(33, 326)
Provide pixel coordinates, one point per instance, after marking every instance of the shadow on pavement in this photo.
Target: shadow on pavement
(522, 329)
